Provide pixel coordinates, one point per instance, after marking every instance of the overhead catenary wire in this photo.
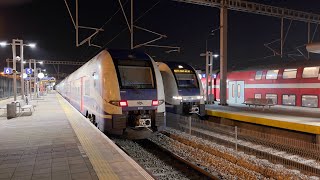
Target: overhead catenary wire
(146, 12)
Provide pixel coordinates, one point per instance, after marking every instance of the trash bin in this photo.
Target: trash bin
(11, 110)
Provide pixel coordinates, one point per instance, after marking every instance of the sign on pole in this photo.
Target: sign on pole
(7, 70)
(28, 71)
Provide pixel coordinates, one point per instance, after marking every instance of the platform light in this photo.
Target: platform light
(3, 43)
(216, 55)
(32, 45)
(40, 75)
(24, 75)
(41, 62)
(180, 67)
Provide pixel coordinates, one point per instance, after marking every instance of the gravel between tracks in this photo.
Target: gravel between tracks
(217, 158)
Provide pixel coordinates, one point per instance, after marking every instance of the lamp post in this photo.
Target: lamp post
(209, 63)
(14, 43)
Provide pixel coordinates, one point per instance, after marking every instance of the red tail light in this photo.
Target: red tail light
(123, 103)
(155, 102)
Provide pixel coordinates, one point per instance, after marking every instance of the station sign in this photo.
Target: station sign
(28, 71)
(48, 79)
(7, 70)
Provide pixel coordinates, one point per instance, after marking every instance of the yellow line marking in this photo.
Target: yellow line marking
(102, 168)
(267, 121)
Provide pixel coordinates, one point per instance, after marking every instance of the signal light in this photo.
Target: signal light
(155, 102)
(123, 103)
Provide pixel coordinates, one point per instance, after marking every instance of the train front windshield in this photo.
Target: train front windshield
(186, 79)
(136, 76)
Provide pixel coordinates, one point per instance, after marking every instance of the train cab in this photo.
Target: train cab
(182, 88)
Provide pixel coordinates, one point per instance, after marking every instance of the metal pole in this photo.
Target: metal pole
(281, 40)
(35, 74)
(30, 90)
(131, 30)
(14, 70)
(38, 82)
(190, 124)
(309, 38)
(236, 136)
(22, 69)
(210, 73)
(207, 78)
(223, 53)
(77, 24)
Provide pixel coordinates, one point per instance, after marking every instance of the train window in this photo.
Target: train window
(289, 99)
(187, 80)
(258, 75)
(87, 87)
(310, 72)
(289, 74)
(272, 74)
(239, 91)
(257, 96)
(274, 98)
(233, 90)
(136, 77)
(310, 101)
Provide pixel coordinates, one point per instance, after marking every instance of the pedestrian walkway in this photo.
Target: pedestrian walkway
(56, 142)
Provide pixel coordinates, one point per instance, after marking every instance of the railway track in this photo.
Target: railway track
(159, 162)
(273, 152)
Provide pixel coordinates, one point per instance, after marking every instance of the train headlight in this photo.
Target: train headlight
(199, 97)
(177, 97)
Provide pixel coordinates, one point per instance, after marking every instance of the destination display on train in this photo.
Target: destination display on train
(182, 71)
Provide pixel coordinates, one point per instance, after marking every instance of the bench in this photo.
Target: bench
(258, 102)
(22, 105)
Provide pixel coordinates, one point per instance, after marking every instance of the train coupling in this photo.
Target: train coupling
(143, 121)
(194, 110)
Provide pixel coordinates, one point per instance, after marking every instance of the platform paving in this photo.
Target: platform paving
(51, 144)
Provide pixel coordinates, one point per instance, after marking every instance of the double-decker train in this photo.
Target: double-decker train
(121, 91)
(182, 87)
(290, 85)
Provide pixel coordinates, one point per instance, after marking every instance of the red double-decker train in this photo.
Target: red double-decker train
(288, 85)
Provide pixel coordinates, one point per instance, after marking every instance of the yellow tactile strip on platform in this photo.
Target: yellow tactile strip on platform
(102, 168)
(266, 121)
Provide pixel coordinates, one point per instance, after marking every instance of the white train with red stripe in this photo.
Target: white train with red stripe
(121, 91)
(293, 86)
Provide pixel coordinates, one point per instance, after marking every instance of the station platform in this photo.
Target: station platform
(299, 119)
(56, 142)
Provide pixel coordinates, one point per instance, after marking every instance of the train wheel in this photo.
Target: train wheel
(94, 120)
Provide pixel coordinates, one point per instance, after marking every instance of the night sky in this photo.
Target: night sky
(47, 23)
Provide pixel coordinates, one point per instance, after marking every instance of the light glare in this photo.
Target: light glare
(32, 45)
(3, 44)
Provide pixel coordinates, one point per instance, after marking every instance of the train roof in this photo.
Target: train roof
(175, 64)
(128, 54)
(279, 65)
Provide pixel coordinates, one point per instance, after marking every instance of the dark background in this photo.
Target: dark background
(47, 23)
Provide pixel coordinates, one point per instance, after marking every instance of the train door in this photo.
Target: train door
(236, 92)
(232, 96)
(240, 92)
